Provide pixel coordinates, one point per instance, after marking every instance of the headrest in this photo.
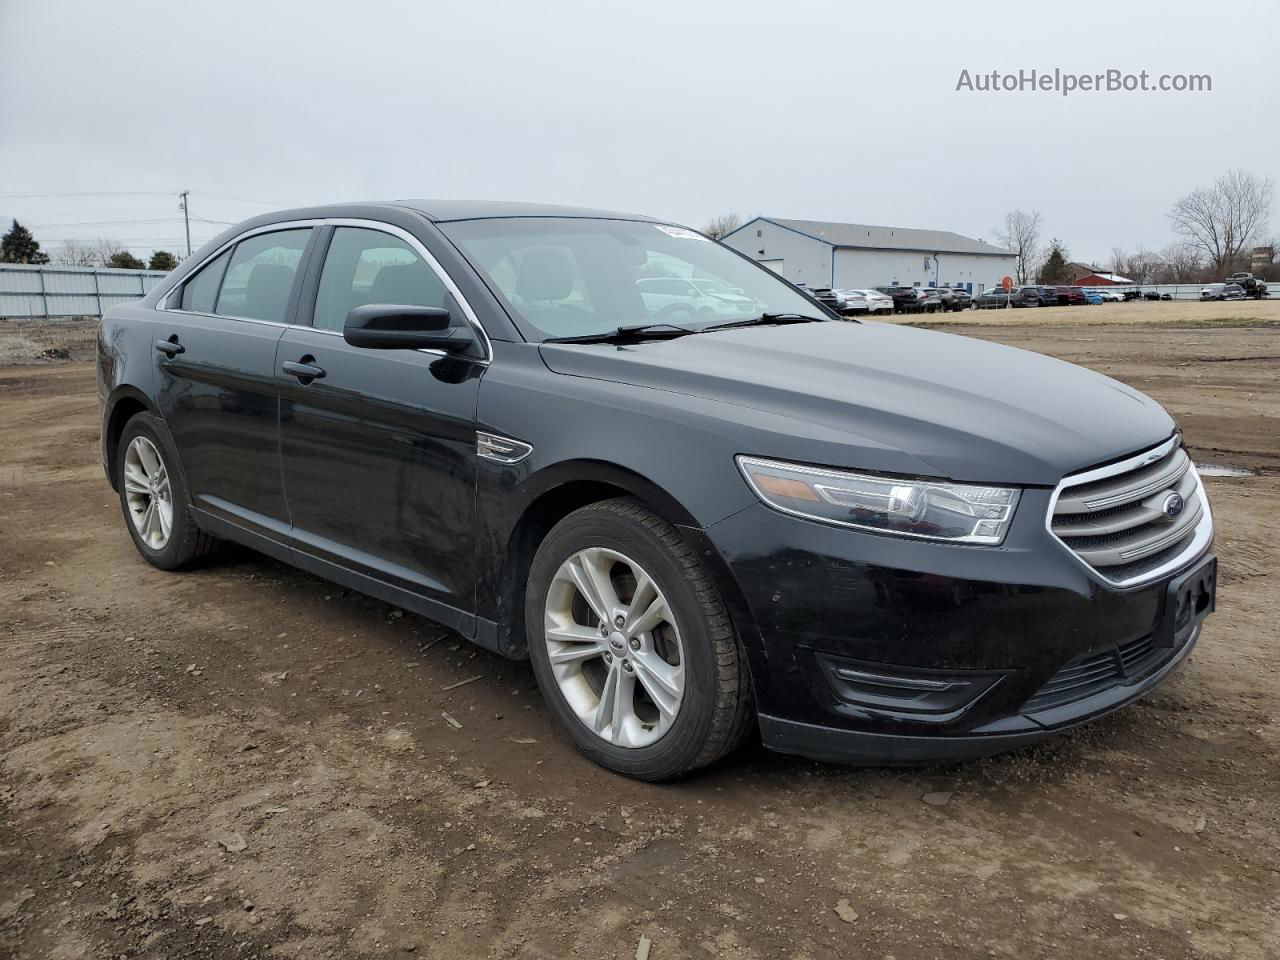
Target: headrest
(407, 283)
(545, 274)
(266, 294)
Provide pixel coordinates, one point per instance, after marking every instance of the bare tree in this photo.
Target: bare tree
(1118, 259)
(1141, 265)
(726, 223)
(1182, 263)
(1225, 219)
(106, 248)
(74, 253)
(1020, 235)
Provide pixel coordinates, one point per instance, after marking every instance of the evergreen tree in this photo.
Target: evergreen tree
(124, 260)
(19, 246)
(162, 260)
(1054, 268)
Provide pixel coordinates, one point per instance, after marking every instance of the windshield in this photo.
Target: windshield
(571, 277)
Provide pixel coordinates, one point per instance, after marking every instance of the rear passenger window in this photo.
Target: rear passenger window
(369, 266)
(201, 291)
(260, 275)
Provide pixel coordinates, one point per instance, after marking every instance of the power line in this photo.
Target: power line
(94, 193)
(270, 203)
(98, 223)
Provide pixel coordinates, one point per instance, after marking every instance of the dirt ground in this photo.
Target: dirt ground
(246, 761)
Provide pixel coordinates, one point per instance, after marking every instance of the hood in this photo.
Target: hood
(964, 409)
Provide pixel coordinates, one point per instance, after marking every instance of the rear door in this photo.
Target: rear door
(378, 449)
(216, 391)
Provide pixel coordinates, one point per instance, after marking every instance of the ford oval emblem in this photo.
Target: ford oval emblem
(1173, 505)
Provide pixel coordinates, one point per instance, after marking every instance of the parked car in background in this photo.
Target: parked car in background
(1092, 297)
(877, 302)
(905, 299)
(929, 301)
(1048, 296)
(1156, 295)
(1134, 294)
(945, 299)
(1110, 296)
(1017, 297)
(950, 298)
(1252, 286)
(1223, 291)
(843, 302)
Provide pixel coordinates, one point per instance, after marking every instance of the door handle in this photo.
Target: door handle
(171, 347)
(305, 369)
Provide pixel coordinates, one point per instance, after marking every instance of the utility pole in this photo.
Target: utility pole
(186, 217)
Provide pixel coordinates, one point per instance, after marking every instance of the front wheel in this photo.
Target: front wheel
(632, 646)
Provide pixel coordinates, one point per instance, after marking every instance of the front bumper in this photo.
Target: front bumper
(1020, 730)
(1002, 646)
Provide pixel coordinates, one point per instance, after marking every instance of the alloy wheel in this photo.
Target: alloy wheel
(614, 647)
(148, 493)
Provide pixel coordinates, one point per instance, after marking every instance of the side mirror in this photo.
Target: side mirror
(386, 326)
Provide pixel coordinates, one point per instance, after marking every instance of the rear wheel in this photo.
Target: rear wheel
(154, 500)
(632, 646)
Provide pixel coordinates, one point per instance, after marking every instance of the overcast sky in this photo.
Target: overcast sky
(829, 111)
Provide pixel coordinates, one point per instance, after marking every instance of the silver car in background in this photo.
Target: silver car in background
(876, 302)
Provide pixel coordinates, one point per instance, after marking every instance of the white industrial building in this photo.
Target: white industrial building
(856, 255)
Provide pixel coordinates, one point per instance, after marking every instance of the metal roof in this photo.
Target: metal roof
(867, 236)
(1113, 277)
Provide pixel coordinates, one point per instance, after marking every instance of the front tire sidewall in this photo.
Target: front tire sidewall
(680, 747)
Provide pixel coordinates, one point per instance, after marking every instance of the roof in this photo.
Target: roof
(445, 210)
(1113, 277)
(887, 238)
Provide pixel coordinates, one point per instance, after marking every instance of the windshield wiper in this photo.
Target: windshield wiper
(639, 331)
(766, 319)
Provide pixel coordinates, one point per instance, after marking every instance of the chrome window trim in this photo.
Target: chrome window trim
(387, 228)
(439, 271)
(162, 300)
(1200, 540)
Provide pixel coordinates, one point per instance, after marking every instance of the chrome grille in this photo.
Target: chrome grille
(1114, 518)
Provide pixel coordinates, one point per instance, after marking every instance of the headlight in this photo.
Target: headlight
(954, 512)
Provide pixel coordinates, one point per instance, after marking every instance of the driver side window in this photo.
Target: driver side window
(366, 266)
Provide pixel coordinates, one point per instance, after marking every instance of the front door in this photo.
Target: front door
(215, 352)
(378, 446)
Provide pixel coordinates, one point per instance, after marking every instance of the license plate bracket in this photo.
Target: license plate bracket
(1189, 598)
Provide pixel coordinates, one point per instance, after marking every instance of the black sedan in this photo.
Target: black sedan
(871, 543)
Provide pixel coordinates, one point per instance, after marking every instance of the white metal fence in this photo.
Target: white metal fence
(1178, 291)
(47, 291)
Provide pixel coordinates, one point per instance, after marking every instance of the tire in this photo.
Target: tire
(622, 539)
(184, 543)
